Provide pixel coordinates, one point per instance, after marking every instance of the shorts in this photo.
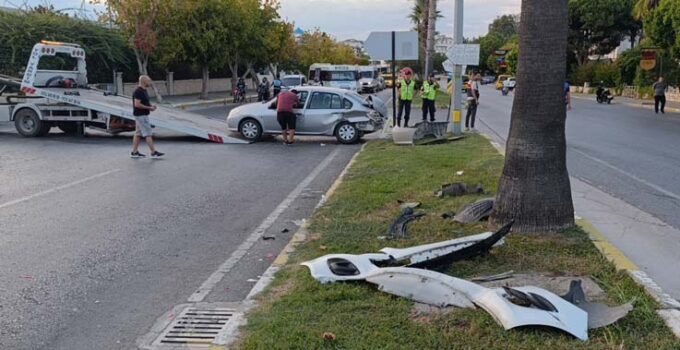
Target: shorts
(143, 126)
(286, 120)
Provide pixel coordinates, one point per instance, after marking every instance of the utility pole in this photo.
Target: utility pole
(456, 98)
(429, 48)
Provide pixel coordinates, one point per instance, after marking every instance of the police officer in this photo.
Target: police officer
(406, 88)
(429, 93)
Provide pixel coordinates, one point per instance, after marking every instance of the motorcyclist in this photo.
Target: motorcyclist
(600, 89)
(264, 89)
(241, 87)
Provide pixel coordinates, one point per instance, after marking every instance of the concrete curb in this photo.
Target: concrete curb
(281, 260)
(670, 308)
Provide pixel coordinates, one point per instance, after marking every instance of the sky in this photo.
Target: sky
(355, 19)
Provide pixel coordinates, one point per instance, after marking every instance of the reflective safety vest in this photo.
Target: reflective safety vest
(407, 90)
(429, 91)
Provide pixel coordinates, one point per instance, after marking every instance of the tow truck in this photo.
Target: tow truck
(47, 98)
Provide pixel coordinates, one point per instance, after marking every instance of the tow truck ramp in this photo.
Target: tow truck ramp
(121, 106)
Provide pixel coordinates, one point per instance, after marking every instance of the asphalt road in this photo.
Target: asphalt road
(96, 246)
(628, 152)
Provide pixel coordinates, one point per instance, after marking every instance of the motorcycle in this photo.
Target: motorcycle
(239, 95)
(604, 95)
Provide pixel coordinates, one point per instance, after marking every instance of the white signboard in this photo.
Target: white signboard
(379, 46)
(448, 66)
(464, 54)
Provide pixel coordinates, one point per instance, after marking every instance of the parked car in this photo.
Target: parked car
(489, 79)
(322, 111)
(387, 78)
(500, 80)
(290, 81)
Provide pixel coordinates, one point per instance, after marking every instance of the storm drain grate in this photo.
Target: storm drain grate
(196, 327)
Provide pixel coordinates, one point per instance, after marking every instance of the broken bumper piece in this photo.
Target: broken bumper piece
(517, 307)
(348, 267)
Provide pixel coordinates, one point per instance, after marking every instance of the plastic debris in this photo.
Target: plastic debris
(399, 228)
(457, 189)
(500, 276)
(448, 215)
(599, 315)
(474, 212)
(411, 205)
(328, 336)
(285, 230)
(251, 280)
(268, 237)
(459, 173)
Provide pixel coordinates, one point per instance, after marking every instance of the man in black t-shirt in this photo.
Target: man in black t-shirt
(141, 108)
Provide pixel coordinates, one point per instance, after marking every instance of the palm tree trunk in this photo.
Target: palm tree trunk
(534, 187)
(431, 24)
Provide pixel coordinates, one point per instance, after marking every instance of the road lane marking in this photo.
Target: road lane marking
(242, 249)
(58, 188)
(621, 171)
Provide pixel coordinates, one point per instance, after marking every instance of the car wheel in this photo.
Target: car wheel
(28, 124)
(250, 129)
(347, 133)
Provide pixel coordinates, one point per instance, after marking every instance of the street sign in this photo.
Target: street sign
(448, 66)
(379, 46)
(648, 61)
(464, 54)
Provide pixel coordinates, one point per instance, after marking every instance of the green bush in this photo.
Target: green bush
(596, 72)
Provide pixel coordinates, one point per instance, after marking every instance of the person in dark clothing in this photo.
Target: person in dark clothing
(429, 94)
(406, 89)
(473, 102)
(660, 88)
(141, 108)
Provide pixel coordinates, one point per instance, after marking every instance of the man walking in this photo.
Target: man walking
(406, 89)
(285, 115)
(429, 93)
(141, 110)
(660, 88)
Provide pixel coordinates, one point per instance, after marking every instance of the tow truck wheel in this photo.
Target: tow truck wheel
(28, 124)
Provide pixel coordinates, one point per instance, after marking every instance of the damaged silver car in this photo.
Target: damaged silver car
(322, 111)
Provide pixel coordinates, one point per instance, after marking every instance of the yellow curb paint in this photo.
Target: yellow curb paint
(607, 249)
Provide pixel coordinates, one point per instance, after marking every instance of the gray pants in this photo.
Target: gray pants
(471, 114)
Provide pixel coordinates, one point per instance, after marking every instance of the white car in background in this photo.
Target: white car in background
(292, 81)
(322, 111)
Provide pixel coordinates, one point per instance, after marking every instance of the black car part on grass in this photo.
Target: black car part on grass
(474, 212)
(457, 189)
(399, 228)
(480, 248)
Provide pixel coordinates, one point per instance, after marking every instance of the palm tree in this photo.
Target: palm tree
(419, 18)
(534, 188)
(644, 7)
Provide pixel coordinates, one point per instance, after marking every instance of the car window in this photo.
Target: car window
(302, 97)
(336, 102)
(320, 100)
(347, 104)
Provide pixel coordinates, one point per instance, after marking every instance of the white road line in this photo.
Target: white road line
(58, 188)
(242, 249)
(643, 181)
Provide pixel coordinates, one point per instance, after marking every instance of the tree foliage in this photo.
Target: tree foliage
(104, 47)
(318, 47)
(598, 27)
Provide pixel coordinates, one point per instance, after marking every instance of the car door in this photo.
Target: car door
(322, 113)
